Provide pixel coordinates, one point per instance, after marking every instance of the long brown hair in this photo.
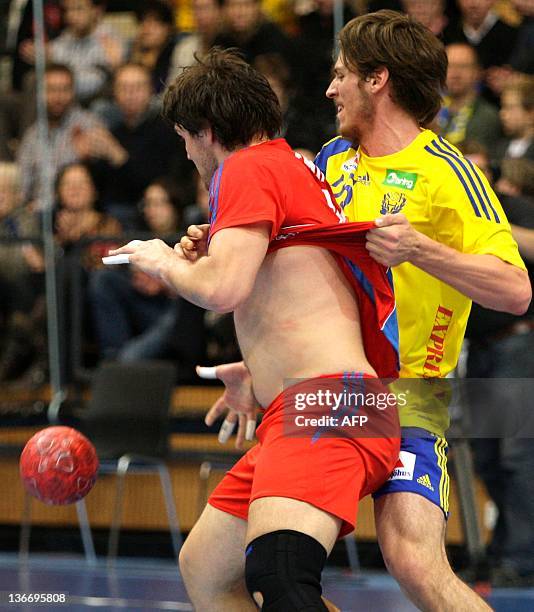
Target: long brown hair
(221, 91)
(415, 58)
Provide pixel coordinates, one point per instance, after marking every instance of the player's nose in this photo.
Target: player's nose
(331, 91)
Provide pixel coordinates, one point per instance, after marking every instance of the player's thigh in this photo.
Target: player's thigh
(215, 548)
(408, 524)
(268, 514)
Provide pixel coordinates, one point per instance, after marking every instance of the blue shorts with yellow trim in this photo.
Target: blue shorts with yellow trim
(421, 469)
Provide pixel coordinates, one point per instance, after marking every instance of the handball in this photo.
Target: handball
(58, 466)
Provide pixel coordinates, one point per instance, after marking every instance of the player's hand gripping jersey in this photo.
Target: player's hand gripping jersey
(447, 198)
(264, 183)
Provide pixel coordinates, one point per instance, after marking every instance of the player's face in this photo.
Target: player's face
(200, 151)
(354, 105)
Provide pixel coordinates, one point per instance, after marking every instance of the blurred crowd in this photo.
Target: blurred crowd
(118, 170)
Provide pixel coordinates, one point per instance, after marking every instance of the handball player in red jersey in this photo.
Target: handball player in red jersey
(310, 305)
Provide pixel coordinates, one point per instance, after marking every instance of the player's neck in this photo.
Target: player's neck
(221, 153)
(391, 135)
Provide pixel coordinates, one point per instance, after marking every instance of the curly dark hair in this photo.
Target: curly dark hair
(221, 91)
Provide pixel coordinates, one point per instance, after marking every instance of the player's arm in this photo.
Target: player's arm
(220, 281)
(486, 279)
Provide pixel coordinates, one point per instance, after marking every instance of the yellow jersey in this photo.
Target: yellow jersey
(447, 198)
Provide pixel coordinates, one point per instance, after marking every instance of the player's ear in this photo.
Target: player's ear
(207, 135)
(378, 78)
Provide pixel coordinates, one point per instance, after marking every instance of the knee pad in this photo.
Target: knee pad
(285, 567)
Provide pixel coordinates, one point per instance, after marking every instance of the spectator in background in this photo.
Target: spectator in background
(464, 114)
(19, 287)
(90, 49)
(314, 48)
(299, 129)
(77, 220)
(133, 312)
(517, 178)
(154, 42)
(246, 28)
(77, 217)
(517, 117)
(66, 120)
(430, 13)
(135, 315)
(141, 147)
(501, 345)
(21, 32)
(480, 26)
(17, 104)
(198, 212)
(521, 61)
(207, 21)
(522, 58)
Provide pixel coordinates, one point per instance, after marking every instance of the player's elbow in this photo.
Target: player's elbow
(227, 298)
(521, 299)
(516, 292)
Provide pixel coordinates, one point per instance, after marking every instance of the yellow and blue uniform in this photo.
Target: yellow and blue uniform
(447, 198)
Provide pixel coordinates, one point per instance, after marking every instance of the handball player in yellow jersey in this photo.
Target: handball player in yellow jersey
(444, 233)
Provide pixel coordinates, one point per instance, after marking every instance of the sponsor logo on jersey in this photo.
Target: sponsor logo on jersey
(392, 203)
(436, 343)
(402, 180)
(405, 466)
(351, 164)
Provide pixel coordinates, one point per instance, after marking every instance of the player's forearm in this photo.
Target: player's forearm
(200, 282)
(525, 241)
(486, 279)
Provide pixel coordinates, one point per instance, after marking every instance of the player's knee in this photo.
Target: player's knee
(285, 568)
(189, 562)
(412, 564)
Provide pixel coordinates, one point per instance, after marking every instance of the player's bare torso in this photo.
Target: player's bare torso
(301, 320)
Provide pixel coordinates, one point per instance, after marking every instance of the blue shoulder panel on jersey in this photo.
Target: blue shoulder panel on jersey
(337, 145)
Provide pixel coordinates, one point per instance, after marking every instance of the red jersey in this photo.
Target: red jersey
(268, 182)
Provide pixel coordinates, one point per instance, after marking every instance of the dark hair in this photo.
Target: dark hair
(415, 58)
(57, 67)
(520, 172)
(64, 169)
(222, 92)
(172, 189)
(473, 147)
(158, 9)
(524, 87)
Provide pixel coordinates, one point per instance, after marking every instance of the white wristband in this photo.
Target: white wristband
(207, 373)
(111, 260)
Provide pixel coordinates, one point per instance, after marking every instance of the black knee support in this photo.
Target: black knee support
(285, 567)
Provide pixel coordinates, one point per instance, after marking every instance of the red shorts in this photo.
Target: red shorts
(331, 473)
